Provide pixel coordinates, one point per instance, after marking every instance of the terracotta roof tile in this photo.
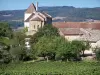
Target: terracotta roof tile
(71, 31)
(93, 25)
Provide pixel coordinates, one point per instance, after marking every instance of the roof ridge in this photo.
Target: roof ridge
(29, 17)
(36, 16)
(31, 8)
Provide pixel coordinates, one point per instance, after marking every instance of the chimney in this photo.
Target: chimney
(37, 6)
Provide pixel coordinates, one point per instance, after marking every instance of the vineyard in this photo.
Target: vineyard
(51, 68)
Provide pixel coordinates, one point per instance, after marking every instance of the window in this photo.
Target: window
(34, 26)
(37, 26)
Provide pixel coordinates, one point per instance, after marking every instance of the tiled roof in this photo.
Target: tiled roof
(94, 35)
(36, 16)
(42, 15)
(31, 9)
(71, 31)
(94, 25)
(47, 15)
(36, 19)
(27, 20)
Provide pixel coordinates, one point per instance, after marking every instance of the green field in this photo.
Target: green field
(51, 68)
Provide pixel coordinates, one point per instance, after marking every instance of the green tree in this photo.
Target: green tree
(67, 50)
(5, 36)
(18, 38)
(79, 47)
(45, 47)
(97, 51)
(47, 30)
(62, 49)
(18, 53)
(5, 30)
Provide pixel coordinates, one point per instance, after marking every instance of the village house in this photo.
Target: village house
(33, 19)
(85, 31)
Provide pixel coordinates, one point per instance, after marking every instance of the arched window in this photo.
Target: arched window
(37, 26)
(34, 26)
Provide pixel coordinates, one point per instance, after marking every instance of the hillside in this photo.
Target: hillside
(59, 13)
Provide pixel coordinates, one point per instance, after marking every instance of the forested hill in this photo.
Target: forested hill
(66, 12)
(59, 13)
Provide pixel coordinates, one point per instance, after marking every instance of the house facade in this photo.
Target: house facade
(33, 19)
(85, 31)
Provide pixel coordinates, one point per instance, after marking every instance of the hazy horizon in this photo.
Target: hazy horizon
(23, 4)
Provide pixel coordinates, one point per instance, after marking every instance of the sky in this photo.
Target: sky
(23, 4)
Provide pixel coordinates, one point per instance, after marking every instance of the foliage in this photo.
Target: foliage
(69, 50)
(81, 46)
(5, 56)
(18, 38)
(45, 47)
(5, 30)
(97, 51)
(62, 49)
(5, 36)
(47, 30)
(59, 48)
(12, 44)
(18, 53)
(51, 68)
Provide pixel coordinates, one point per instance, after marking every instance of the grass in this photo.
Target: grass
(51, 68)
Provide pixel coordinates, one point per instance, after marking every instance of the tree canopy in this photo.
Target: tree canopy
(5, 30)
(47, 30)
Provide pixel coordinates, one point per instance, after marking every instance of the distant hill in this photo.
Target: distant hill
(59, 13)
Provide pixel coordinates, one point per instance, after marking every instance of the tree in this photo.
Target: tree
(97, 51)
(62, 49)
(67, 50)
(58, 48)
(5, 36)
(47, 30)
(5, 56)
(18, 38)
(79, 46)
(5, 30)
(45, 47)
(86, 45)
(18, 53)
(18, 50)
(55, 46)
